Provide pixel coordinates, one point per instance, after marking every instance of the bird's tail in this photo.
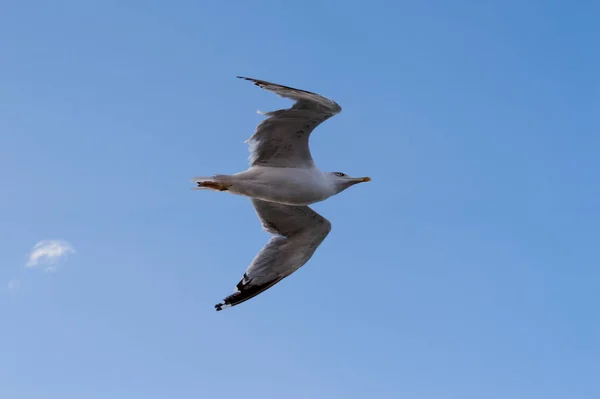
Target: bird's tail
(216, 182)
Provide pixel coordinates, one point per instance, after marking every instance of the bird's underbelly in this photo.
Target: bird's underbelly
(285, 186)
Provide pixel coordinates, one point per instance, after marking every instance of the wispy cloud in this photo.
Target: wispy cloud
(48, 254)
(13, 285)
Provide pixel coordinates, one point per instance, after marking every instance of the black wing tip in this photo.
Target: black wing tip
(255, 81)
(262, 83)
(258, 82)
(245, 294)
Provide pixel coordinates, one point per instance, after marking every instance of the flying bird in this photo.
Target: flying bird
(281, 182)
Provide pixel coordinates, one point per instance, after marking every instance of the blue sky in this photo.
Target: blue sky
(468, 267)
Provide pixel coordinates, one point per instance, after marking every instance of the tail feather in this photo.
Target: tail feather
(216, 182)
(198, 180)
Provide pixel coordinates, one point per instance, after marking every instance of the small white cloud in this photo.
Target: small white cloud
(13, 285)
(48, 253)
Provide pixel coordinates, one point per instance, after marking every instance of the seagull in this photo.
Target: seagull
(281, 182)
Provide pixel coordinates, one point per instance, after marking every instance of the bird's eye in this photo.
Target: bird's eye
(340, 174)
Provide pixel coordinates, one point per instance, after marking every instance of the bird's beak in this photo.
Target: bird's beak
(361, 180)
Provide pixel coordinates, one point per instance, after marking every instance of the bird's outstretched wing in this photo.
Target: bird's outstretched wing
(281, 140)
(297, 232)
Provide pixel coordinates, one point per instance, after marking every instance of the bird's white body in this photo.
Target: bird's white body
(289, 186)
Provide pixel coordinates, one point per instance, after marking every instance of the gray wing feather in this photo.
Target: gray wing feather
(297, 233)
(281, 140)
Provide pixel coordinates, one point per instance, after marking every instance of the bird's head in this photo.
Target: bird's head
(343, 181)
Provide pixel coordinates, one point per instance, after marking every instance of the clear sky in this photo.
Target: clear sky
(467, 269)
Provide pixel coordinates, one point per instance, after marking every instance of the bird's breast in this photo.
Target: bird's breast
(292, 186)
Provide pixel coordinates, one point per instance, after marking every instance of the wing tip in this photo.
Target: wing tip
(244, 293)
(333, 106)
(264, 83)
(221, 306)
(255, 81)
